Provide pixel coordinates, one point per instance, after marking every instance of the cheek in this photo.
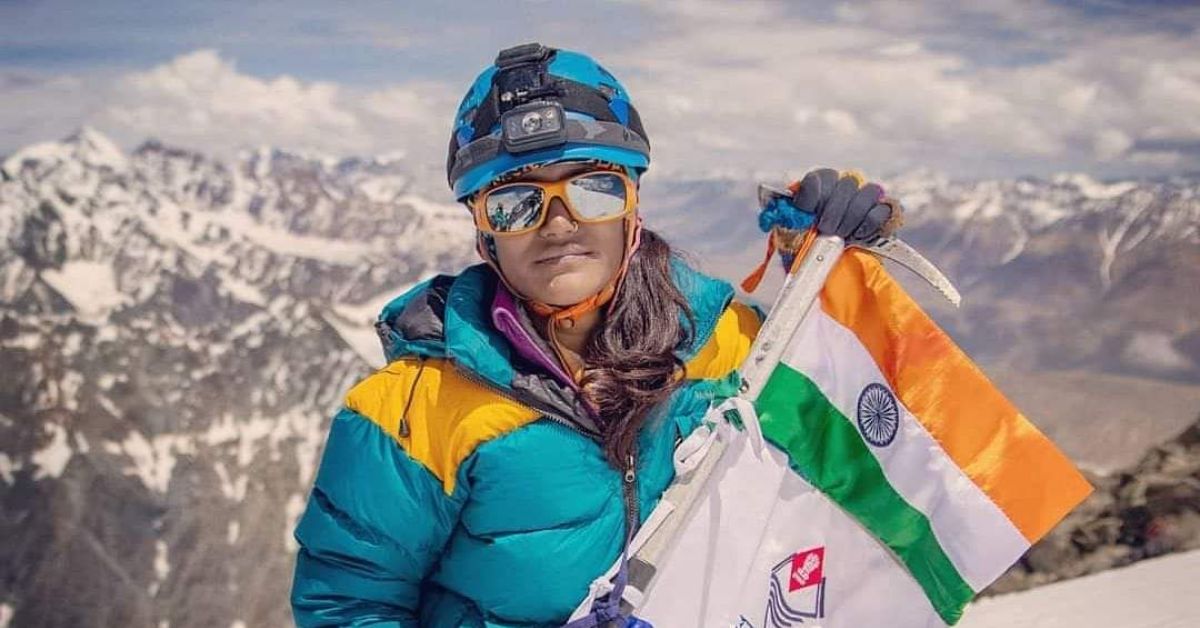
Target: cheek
(610, 239)
(513, 253)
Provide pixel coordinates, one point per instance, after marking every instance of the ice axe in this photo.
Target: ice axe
(889, 247)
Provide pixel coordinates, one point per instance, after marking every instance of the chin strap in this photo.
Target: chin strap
(567, 315)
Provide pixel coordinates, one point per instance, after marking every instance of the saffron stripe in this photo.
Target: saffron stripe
(826, 450)
(982, 432)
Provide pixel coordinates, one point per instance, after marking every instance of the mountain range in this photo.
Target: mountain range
(175, 331)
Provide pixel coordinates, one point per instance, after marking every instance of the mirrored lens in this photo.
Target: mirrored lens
(513, 207)
(598, 195)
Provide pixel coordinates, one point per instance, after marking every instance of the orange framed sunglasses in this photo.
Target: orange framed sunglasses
(522, 206)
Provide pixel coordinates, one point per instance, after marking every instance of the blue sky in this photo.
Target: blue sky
(1011, 88)
(358, 43)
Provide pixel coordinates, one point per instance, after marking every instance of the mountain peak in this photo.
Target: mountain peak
(1090, 187)
(96, 148)
(85, 145)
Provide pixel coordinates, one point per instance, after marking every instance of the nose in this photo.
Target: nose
(559, 222)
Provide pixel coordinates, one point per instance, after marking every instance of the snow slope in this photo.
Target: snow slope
(1158, 593)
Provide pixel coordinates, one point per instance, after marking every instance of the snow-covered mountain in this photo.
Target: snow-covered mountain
(1055, 274)
(175, 331)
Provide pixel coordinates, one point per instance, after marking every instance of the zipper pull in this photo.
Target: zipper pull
(630, 470)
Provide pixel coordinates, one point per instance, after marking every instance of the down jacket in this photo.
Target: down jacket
(462, 485)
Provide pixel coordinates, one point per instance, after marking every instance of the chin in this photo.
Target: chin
(563, 291)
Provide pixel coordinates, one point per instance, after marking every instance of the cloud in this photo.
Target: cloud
(1111, 143)
(202, 100)
(1005, 88)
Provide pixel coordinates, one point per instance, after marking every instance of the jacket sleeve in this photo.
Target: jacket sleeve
(376, 522)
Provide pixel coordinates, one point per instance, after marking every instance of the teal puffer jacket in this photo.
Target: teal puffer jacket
(462, 486)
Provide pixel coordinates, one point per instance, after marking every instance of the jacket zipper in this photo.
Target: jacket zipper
(629, 491)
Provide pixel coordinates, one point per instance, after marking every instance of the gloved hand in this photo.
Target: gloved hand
(847, 206)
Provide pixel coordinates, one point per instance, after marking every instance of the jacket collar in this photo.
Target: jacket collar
(450, 317)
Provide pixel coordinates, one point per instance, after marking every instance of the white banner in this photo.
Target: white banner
(762, 549)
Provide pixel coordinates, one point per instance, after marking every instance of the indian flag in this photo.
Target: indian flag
(873, 405)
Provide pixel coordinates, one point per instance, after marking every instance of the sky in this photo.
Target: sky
(1007, 88)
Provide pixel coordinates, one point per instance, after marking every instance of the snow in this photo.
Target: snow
(44, 152)
(81, 443)
(1019, 242)
(162, 567)
(162, 563)
(87, 145)
(107, 333)
(967, 209)
(356, 323)
(1043, 212)
(154, 459)
(241, 290)
(286, 243)
(1110, 243)
(6, 468)
(432, 209)
(15, 275)
(298, 426)
(108, 405)
(232, 532)
(383, 189)
(1094, 189)
(52, 459)
(90, 286)
(1158, 593)
(68, 389)
(234, 489)
(295, 508)
(390, 157)
(28, 342)
(6, 615)
(97, 150)
(360, 336)
(1155, 351)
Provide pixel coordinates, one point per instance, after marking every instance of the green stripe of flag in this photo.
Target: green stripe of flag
(824, 447)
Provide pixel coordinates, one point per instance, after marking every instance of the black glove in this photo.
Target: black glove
(845, 207)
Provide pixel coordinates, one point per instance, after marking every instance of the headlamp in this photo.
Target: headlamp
(533, 126)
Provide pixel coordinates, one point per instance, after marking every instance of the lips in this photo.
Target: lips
(554, 256)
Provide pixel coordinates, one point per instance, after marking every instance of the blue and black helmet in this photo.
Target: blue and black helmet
(537, 105)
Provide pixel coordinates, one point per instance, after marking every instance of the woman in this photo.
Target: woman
(525, 422)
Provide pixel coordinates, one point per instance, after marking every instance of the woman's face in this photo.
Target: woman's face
(562, 262)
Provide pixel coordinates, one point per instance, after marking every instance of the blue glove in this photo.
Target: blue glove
(846, 206)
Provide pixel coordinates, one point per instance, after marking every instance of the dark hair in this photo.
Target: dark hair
(631, 361)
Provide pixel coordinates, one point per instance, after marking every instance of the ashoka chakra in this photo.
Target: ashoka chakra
(878, 415)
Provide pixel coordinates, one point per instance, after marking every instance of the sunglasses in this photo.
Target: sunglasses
(521, 207)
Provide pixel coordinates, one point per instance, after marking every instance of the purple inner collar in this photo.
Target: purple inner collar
(507, 319)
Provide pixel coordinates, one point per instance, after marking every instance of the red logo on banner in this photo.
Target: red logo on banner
(808, 568)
